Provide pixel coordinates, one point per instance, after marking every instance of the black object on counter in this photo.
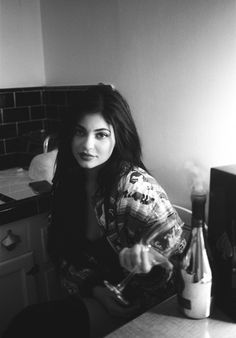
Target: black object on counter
(40, 187)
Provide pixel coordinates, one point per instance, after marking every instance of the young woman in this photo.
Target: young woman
(103, 202)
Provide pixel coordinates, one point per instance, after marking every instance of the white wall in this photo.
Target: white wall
(81, 41)
(175, 61)
(21, 53)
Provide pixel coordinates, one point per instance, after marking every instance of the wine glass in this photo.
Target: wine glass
(161, 240)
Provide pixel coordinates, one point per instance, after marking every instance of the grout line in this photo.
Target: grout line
(14, 98)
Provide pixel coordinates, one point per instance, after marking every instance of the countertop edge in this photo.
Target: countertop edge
(27, 207)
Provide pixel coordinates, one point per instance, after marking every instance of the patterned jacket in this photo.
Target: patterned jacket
(138, 205)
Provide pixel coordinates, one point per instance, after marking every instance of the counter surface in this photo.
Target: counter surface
(166, 320)
(17, 199)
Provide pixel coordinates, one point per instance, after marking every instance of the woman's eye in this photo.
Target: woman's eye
(79, 132)
(102, 135)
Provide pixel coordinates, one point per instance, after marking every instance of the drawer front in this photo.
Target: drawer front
(14, 239)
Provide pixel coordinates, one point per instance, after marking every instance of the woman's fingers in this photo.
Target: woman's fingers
(142, 258)
(130, 257)
(136, 257)
(159, 259)
(146, 261)
(122, 256)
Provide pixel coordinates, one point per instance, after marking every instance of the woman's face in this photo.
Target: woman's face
(93, 141)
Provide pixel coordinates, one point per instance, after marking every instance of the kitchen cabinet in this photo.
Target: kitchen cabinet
(48, 285)
(26, 274)
(17, 286)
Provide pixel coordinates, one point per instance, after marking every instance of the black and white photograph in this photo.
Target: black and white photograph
(117, 168)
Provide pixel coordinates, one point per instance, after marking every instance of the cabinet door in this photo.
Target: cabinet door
(17, 287)
(50, 278)
(52, 285)
(47, 281)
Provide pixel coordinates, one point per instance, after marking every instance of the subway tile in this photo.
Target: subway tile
(52, 112)
(26, 127)
(28, 98)
(30, 89)
(21, 89)
(35, 149)
(7, 161)
(15, 114)
(15, 160)
(54, 98)
(13, 145)
(37, 112)
(2, 148)
(74, 97)
(53, 126)
(32, 109)
(6, 90)
(67, 87)
(8, 130)
(62, 112)
(22, 144)
(6, 100)
(23, 159)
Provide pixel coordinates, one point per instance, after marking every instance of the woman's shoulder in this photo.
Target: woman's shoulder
(136, 176)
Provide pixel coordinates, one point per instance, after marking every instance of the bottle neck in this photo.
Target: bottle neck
(198, 209)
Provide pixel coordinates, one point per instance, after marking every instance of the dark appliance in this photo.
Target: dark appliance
(222, 236)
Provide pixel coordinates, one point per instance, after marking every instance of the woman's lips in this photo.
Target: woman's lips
(87, 157)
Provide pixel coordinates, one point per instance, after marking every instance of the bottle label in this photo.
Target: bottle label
(184, 303)
(200, 296)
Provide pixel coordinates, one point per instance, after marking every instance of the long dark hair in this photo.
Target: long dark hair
(116, 112)
(69, 198)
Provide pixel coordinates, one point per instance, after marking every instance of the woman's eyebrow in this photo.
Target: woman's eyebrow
(102, 129)
(96, 130)
(80, 126)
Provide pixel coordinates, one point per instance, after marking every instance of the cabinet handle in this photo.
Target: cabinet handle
(10, 241)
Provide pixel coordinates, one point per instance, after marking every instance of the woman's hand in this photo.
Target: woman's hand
(143, 259)
(108, 300)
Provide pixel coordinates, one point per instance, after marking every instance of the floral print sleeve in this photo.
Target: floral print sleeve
(142, 205)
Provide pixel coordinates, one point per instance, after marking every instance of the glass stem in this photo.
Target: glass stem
(124, 282)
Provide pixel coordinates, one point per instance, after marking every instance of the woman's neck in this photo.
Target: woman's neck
(91, 176)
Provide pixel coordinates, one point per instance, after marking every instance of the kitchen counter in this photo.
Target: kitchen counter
(166, 320)
(17, 199)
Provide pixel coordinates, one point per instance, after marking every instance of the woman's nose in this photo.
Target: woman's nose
(89, 142)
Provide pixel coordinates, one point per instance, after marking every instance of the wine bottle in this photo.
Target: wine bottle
(195, 284)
